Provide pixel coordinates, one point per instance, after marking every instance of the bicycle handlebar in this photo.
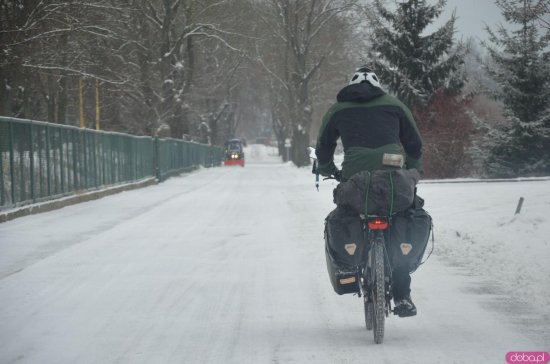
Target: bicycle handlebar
(336, 176)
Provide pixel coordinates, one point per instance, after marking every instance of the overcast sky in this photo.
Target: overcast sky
(472, 16)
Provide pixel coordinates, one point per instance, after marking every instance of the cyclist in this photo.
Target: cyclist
(374, 128)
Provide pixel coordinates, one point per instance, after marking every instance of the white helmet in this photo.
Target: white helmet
(364, 74)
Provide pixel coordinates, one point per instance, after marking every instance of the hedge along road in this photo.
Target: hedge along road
(223, 265)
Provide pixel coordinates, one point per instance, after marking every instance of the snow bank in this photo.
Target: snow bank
(476, 229)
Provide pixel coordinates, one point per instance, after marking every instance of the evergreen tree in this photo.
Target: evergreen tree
(411, 65)
(521, 145)
(426, 72)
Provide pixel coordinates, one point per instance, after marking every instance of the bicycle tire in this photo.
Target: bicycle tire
(379, 293)
(369, 310)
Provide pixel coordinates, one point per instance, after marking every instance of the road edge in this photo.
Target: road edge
(72, 200)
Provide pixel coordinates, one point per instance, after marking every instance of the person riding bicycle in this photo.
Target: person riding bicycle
(375, 128)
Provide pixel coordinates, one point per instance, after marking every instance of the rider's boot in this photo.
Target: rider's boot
(405, 307)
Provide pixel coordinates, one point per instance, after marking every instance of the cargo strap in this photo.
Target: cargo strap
(367, 195)
(408, 232)
(433, 245)
(391, 187)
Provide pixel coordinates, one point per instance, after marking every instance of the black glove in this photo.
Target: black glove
(338, 175)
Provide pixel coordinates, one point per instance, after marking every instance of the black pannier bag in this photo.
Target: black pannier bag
(385, 191)
(409, 233)
(344, 248)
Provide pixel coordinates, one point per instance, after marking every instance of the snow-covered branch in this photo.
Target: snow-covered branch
(80, 73)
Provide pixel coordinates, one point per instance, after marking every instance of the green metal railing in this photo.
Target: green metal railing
(176, 156)
(41, 161)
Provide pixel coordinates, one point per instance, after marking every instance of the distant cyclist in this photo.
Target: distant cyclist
(375, 129)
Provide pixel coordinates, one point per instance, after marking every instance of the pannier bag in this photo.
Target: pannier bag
(344, 248)
(385, 192)
(408, 235)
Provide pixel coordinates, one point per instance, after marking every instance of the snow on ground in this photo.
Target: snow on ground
(477, 230)
(227, 265)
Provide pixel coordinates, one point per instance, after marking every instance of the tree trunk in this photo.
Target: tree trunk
(4, 95)
(51, 98)
(61, 107)
(302, 119)
(300, 142)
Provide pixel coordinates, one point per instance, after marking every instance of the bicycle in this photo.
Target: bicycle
(374, 274)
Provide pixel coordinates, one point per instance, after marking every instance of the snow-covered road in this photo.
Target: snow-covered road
(227, 265)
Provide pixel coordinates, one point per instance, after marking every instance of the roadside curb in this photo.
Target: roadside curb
(520, 179)
(72, 200)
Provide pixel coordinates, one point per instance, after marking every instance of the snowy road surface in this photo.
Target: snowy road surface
(227, 265)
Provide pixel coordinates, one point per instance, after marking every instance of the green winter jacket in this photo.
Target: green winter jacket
(371, 124)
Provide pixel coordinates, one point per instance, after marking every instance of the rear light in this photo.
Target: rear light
(378, 223)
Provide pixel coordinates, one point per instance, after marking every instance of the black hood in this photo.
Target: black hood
(359, 92)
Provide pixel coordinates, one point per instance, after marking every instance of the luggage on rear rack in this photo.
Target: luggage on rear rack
(384, 193)
(381, 192)
(344, 249)
(408, 236)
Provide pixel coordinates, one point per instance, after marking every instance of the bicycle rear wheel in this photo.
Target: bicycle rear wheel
(369, 314)
(379, 293)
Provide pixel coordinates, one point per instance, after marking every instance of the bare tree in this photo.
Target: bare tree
(175, 65)
(300, 46)
(142, 52)
(49, 47)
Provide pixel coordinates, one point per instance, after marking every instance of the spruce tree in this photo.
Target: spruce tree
(521, 145)
(415, 66)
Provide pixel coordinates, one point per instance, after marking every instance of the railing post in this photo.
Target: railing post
(48, 171)
(119, 160)
(103, 160)
(111, 158)
(96, 154)
(76, 161)
(12, 164)
(61, 164)
(2, 198)
(31, 153)
(22, 189)
(156, 159)
(132, 152)
(136, 157)
(85, 154)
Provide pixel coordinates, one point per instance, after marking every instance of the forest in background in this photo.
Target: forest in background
(210, 70)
